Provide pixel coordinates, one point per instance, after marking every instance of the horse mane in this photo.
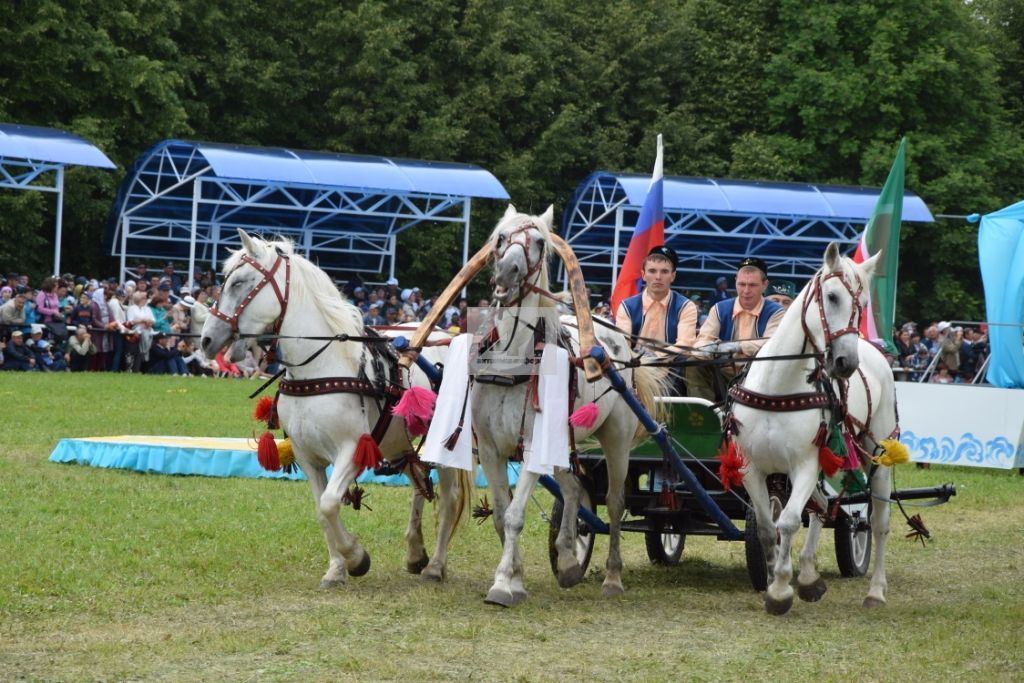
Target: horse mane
(517, 219)
(311, 287)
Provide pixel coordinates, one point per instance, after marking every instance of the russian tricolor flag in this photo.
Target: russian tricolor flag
(649, 233)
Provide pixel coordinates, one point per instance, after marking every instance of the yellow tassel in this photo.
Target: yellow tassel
(895, 453)
(285, 453)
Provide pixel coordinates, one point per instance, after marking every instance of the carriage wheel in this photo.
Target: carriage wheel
(584, 546)
(664, 545)
(757, 566)
(853, 545)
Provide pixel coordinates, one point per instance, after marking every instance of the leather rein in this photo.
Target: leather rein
(823, 398)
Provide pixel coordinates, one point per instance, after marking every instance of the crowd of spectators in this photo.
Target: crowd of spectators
(942, 353)
(74, 323)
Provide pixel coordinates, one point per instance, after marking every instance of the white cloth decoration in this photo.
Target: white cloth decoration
(448, 410)
(549, 445)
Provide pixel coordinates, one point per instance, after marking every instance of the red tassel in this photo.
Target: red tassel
(416, 401)
(829, 462)
(453, 438)
(585, 416)
(731, 466)
(266, 453)
(264, 409)
(368, 454)
(822, 436)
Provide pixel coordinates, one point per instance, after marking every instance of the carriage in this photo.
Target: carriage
(666, 511)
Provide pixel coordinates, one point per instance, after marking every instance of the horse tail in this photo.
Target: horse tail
(650, 383)
(465, 482)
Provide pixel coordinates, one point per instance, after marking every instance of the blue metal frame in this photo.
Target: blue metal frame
(184, 200)
(712, 224)
(33, 158)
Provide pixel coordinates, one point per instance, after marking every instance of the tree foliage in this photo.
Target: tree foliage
(542, 94)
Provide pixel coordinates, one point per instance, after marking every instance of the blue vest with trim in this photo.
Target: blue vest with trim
(635, 307)
(725, 317)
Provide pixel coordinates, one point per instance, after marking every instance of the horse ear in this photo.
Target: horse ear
(250, 246)
(832, 257)
(549, 217)
(870, 268)
(509, 212)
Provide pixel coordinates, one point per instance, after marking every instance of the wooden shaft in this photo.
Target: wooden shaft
(469, 270)
(591, 368)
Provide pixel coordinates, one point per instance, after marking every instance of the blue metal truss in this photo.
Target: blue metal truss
(184, 201)
(713, 224)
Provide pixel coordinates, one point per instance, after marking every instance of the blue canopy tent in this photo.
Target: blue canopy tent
(1001, 255)
(33, 158)
(183, 201)
(712, 224)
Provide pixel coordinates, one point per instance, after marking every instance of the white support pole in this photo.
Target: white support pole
(60, 221)
(465, 237)
(197, 193)
(392, 245)
(124, 249)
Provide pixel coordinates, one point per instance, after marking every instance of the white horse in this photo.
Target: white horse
(268, 288)
(823, 319)
(503, 414)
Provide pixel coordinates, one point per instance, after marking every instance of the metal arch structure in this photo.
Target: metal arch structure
(712, 224)
(34, 158)
(183, 201)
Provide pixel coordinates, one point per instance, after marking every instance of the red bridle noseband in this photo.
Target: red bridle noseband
(852, 325)
(268, 277)
(524, 244)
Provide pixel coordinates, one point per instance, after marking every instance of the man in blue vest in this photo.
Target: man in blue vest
(658, 312)
(739, 326)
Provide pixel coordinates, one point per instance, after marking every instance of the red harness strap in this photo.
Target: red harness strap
(778, 404)
(268, 277)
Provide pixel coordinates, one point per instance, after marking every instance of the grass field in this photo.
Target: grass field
(112, 575)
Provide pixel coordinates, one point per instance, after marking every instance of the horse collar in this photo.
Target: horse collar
(268, 277)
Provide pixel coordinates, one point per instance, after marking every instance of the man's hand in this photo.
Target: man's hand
(721, 348)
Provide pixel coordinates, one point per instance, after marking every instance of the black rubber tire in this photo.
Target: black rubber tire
(757, 567)
(853, 546)
(664, 544)
(584, 534)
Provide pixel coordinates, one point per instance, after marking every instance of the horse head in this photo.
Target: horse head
(520, 254)
(254, 296)
(840, 290)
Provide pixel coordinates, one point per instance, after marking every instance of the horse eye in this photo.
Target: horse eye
(501, 240)
(833, 299)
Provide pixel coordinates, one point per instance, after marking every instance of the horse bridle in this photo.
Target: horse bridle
(268, 277)
(852, 325)
(531, 268)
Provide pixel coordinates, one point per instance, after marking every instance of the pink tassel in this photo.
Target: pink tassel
(585, 416)
(852, 461)
(417, 407)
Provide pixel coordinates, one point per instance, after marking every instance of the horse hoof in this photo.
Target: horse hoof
(362, 567)
(518, 597)
(327, 584)
(417, 566)
(813, 592)
(777, 607)
(500, 597)
(873, 602)
(432, 576)
(570, 577)
(612, 590)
